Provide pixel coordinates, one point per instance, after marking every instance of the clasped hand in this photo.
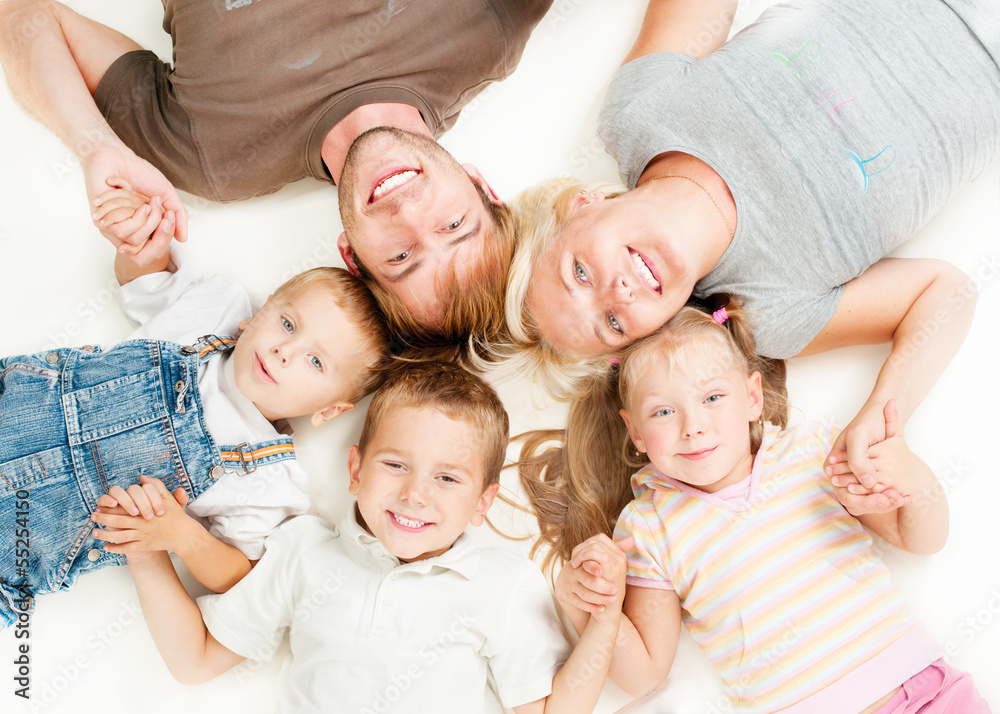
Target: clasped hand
(142, 519)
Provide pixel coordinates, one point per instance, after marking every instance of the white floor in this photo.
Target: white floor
(89, 647)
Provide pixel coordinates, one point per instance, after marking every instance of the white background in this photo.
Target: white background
(89, 647)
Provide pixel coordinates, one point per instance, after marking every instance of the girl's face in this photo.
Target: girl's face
(694, 421)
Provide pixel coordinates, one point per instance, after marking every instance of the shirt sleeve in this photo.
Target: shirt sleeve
(243, 510)
(251, 617)
(645, 566)
(177, 306)
(532, 646)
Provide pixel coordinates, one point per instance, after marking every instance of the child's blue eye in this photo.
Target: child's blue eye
(287, 324)
(314, 360)
(714, 398)
(663, 412)
(448, 479)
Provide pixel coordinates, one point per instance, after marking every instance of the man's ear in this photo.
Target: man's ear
(354, 469)
(332, 411)
(633, 434)
(478, 178)
(347, 253)
(485, 501)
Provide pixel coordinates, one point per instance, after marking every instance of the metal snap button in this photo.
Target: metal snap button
(93, 554)
(216, 472)
(189, 349)
(52, 357)
(179, 385)
(87, 348)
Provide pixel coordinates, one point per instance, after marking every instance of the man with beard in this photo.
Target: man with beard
(263, 93)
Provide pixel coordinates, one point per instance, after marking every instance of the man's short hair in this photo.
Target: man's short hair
(359, 304)
(473, 317)
(456, 393)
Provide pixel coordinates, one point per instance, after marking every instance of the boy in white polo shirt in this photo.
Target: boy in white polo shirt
(396, 609)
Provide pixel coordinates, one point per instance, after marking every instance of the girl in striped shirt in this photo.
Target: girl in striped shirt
(732, 527)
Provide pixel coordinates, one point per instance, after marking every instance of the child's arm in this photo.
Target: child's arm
(578, 683)
(188, 649)
(920, 525)
(158, 522)
(648, 632)
(120, 210)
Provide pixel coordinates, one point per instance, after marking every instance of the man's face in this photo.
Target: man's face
(410, 211)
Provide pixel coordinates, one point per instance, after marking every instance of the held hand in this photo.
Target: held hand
(883, 458)
(108, 162)
(143, 518)
(594, 578)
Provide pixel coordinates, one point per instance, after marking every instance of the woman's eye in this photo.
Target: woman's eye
(287, 324)
(579, 273)
(401, 257)
(315, 362)
(613, 324)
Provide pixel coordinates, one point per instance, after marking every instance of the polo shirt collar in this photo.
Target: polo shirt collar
(462, 557)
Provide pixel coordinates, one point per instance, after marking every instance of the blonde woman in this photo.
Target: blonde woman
(780, 166)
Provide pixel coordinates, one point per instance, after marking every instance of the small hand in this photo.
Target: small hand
(594, 577)
(143, 518)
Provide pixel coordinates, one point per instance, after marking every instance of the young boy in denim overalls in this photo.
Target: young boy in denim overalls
(396, 608)
(86, 427)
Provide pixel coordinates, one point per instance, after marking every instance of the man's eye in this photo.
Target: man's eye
(579, 273)
(287, 324)
(613, 324)
(401, 257)
(455, 226)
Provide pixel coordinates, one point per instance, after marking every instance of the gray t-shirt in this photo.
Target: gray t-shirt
(839, 127)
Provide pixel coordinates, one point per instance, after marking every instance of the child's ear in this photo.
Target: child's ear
(756, 396)
(332, 411)
(354, 469)
(632, 433)
(485, 501)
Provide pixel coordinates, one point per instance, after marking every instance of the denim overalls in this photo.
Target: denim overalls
(74, 423)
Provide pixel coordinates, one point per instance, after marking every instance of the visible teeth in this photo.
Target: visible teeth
(644, 271)
(390, 182)
(407, 522)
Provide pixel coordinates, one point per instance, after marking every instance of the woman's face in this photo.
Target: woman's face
(612, 276)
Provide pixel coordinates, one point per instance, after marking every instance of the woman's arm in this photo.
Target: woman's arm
(925, 308)
(691, 27)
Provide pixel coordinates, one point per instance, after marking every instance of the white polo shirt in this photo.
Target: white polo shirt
(369, 634)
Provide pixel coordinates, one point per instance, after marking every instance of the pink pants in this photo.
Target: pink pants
(938, 688)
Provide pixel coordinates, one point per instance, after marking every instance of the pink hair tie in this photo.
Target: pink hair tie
(720, 315)
(614, 360)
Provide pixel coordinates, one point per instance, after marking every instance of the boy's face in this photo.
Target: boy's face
(420, 482)
(298, 355)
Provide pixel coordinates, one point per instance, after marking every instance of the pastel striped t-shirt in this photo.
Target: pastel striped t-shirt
(778, 583)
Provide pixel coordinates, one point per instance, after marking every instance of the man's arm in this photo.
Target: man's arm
(53, 59)
(925, 308)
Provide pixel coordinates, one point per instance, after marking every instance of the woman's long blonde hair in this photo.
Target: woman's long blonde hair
(579, 486)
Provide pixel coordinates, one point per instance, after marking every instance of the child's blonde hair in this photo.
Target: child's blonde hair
(351, 295)
(578, 488)
(455, 392)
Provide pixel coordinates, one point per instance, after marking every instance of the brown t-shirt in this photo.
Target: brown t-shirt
(257, 84)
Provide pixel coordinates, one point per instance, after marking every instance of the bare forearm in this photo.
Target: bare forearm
(173, 618)
(126, 269)
(44, 77)
(216, 565)
(925, 342)
(578, 685)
